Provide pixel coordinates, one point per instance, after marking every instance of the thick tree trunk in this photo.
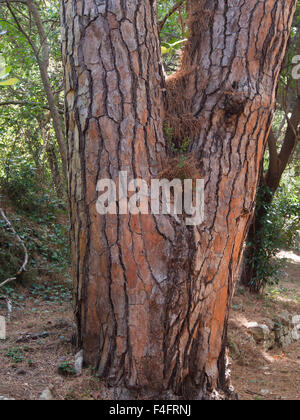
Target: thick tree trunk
(152, 295)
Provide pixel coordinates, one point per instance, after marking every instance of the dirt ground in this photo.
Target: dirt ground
(256, 374)
(27, 368)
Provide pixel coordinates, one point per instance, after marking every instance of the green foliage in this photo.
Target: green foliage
(5, 80)
(286, 204)
(172, 35)
(181, 149)
(15, 354)
(56, 292)
(22, 184)
(46, 240)
(66, 369)
(17, 297)
(11, 253)
(25, 126)
(280, 229)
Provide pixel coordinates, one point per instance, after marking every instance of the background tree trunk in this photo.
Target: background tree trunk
(152, 295)
(270, 182)
(42, 57)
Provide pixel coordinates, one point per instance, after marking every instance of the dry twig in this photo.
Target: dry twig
(25, 262)
(21, 270)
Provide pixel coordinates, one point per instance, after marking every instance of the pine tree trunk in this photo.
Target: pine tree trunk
(152, 295)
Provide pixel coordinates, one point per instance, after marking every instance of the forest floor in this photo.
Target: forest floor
(27, 368)
(257, 374)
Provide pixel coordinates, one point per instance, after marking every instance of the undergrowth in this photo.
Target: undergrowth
(45, 235)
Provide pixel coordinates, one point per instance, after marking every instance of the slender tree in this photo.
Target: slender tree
(281, 148)
(152, 295)
(41, 51)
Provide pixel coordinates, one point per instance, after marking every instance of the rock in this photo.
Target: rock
(46, 395)
(78, 363)
(269, 323)
(282, 331)
(296, 320)
(285, 340)
(265, 392)
(287, 329)
(262, 334)
(283, 319)
(2, 328)
(296, 334)
(6, 399)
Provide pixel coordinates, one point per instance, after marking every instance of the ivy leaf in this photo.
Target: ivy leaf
(4, 72)
(9, 82)
(165, 50)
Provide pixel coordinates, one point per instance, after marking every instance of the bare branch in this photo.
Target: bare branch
(170, 13)
(42, 34)
(8, 281)
(279, 162)
(43, 66)
(25, 262)
(8, 305)
(34, 49)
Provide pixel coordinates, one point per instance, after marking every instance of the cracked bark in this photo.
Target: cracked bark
(152, 295)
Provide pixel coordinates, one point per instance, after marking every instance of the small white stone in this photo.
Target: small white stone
(296, 320)
(296, 334)
(46, 395)
(2, 328)
(265, 392)
(78, 363)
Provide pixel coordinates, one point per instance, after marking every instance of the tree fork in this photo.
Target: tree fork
(152, 296)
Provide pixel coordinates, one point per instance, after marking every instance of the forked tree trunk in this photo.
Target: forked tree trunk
(152, 295)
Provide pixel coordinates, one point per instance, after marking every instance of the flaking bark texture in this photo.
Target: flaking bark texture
(152, 295)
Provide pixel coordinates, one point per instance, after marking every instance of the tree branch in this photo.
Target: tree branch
(12, 1)
(34, 49)
(174, 9)
(42, 33)
(8, 305)
(43, 66)
(291, 139)
(25, 103)
(274, 160)
(25, 262)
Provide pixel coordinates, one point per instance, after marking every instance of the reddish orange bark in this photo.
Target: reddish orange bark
(152, 295)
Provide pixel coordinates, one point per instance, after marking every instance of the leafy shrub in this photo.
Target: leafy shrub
(287, 204)
(66, 369)
(280, 229)
(11, 253)
(22, 184)
(47, 243)
(15, 354)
